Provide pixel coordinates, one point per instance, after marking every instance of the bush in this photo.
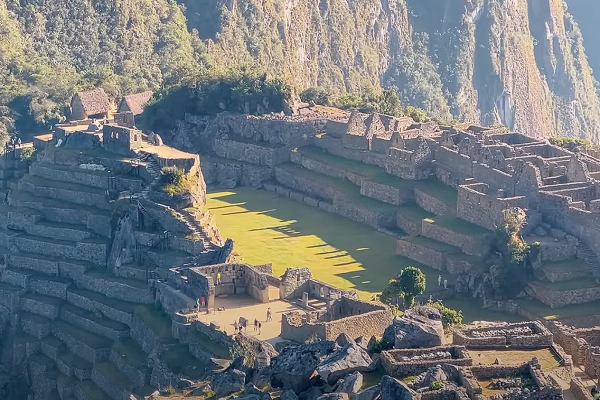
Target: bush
(174, 181)
(27, 153)
(243, 348)
(450, 317)
(436, 385)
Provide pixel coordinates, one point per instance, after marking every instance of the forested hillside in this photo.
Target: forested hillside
(519, 63)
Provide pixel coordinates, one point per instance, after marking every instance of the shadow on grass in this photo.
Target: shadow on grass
(371, 250)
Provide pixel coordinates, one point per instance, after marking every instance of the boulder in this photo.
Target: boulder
(288, 395)
(334, 396)
(419, 327)
(434, 374)
(228, 382)
(540, 231)
(344, 361)
(351, 384)
(250, 389)
(368, 394)
(362, 342)
(294, 366)
(313, 393)
(343, 339)
(393, 389)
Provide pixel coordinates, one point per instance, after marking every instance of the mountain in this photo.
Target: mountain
(585, 13)
(520, 63)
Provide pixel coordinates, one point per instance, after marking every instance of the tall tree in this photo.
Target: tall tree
(413, 283)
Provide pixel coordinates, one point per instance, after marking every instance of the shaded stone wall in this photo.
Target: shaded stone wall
(560, 298)
(394, 364)
(386, 193)
(484, 210)
(251, 153)
(433, 204)
(479, 245)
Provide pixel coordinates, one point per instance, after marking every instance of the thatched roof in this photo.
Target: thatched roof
(135, 102)
(94, 101)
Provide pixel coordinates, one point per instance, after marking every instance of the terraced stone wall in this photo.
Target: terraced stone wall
(433, 204)
(400, 363)
(251, 153)
(324, 168)
(556, 298)
(386, 193)
(488, 337)
(475, 245)
(75, 175)
(582, 344)
(479, 208)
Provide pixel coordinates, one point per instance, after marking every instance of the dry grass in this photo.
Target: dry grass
(547, 358)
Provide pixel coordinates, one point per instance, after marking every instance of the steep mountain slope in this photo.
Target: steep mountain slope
(586, 14)
(516, 62)
(520, 63)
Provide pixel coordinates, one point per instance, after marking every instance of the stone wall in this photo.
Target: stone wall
(400, 363)
(324, 168)
(433, 204)
(582, 344)
(560, 298)
(579, 390)
(430, 256)
(218, 170)
(514, 335)
(477, 245)
(386, 193)
(479, 208)
(253, 153)
(80, 176)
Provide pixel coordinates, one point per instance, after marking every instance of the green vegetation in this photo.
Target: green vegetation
(571, 143)
(413, 283)
(337, 251)
(436, 385)
(211, 346)
(27, 153)
(157, 320)
(180, 361)
(175, 181)
(243, 349)
(450, 318)
(387, 102)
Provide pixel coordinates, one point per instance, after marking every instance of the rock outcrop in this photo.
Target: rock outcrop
(348, 359)
(419, 327)
(228, 382)
(393, 389)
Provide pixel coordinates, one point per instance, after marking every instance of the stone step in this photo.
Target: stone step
(50, 286)
(65, 385)
(124, 289)
(426, 251)
(14, 217)
(87, 345)
(71, 192)
(94, 323)
(566, 270)
(114, 309)
(74, 366)
(36, 325)
(89, 250)
(52, 347)
(59, 230)
(112, 381)
(35, 262)
(42, 380)
(10, 297)
(88, 390)
(45, 306)
(17, 277)
(131, 360)
(71, 174)
(57, 210)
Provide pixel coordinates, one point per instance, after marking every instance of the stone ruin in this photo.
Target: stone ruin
(87, 235)
(401, 363)
(441, 190)
(582, 344)
(522, 335)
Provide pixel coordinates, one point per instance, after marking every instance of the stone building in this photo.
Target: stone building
(135, 103)
(91, 104)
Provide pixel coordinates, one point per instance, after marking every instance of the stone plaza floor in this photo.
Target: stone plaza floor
(236, 306)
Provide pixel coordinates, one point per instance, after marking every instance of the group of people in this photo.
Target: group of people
(440, 282)
(243, 325)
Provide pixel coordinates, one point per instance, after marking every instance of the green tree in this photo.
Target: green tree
(450, 317)
(392, 293)
(412, 282)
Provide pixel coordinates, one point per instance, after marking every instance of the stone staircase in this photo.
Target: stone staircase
(586, 254)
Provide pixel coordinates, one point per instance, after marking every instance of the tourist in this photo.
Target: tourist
(198, 305)
(218, 278)
(445, 283)
(203, 301)
(235, 326)
(6, 197)
(245, 325)
(255, 324)
(269, 317)
(259, 327)
(439, 280)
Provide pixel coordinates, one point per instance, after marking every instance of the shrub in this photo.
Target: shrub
(450, 317)
(243, 348)
(27, 153)
(174, 181)
(436, 385)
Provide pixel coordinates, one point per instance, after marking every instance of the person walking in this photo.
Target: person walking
(235, 326)
(439, 280)
(218, 278)
(203, 301)
(197, 305)
(259, 327)
(445, 283)
(255, 324)
(269, 317)
(246, 326)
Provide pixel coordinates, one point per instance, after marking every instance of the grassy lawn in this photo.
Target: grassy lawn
(547, 358)
(568, 285)
(574, 264)
(572, 311)
(157, 320)
(459, 225)
(268, 229)
(472, 311)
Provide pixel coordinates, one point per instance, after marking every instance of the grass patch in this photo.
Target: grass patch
(131, 353)
(175, 181)
(373, 378)
(91, 339)
(116, 377)
(109, 323)
(547, 358)
(100, 298)
(104, 275)
(574, 264)
(212, 346)
(180, 361)
(538, 308)
(431, 243)
(414, 212)
(567, 285)
(472, 311)
(75, 362)
(338, 251)
(157, 320)
(459, 225)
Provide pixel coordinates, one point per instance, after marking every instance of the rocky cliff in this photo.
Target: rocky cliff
(517, 62)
